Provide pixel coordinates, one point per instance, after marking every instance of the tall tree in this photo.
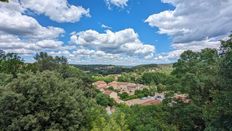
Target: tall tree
(45, 101)
(10, 63)
(221, 113)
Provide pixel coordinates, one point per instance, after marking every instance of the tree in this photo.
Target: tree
(186, 117)
(5, 79)
(46, 62)
(197, 74)
(154, 77)
(116, 122)
(220, 113)
(10, 63)
(45, 101)
(4, 0)
(147, 118)
(104, 100)
(124, 96)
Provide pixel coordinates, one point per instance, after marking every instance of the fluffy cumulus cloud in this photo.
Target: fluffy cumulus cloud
(194, 24)
(125, 42)
(57, 10)
(118, 3)
(21, 33)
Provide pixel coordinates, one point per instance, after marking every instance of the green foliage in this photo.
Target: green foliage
(186, 117)
(146, 118)
(10, 63)
(226, 63)
(116, 122)
(142, 93)
(103, 69)
(5, 79)
(123, 96)
(46, 62)
(220, 115)
(128, 77)
(197, 72)
(161, 88)
(45, 101)
(107, 79)
(111, 88)
(154, 77)
(104, 100)
(51, 95)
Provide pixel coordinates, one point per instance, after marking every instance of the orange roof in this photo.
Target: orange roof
(108, 92)
(151, 102)
(100, 84)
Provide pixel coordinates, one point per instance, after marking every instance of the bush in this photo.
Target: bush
(154, 77)
(45, 101)
(104, 100)
(124, 96)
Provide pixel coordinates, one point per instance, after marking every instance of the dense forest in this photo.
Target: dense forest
(50, 94)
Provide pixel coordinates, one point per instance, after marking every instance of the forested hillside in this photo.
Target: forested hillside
(50, 94)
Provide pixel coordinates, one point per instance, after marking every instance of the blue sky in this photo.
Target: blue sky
(118, 19)
(122, 32)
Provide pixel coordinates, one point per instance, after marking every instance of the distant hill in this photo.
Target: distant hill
(115, 69)
(153, 67)
(104, 69)
(146, 66)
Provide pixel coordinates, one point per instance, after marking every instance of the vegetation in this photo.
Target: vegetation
(104, 100)
(44, 101)
(103, 69)
(107, 79)
(4, 0)
(50, 94)
(10, 63)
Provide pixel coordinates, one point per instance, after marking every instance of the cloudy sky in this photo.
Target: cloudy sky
(122, 32)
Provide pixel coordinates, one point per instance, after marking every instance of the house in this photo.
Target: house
(100, 85)
(126, 87)
(182, 97)
(147, 101)
(113, 95)
(151, 102)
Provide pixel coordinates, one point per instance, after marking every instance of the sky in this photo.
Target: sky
(119, 32)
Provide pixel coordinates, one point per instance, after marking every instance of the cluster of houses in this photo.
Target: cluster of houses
(126, 87)
(150, 100)
(129, 88)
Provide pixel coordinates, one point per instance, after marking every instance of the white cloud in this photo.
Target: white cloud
(194, 24)
(23, 34)
(118, 3)
(122, 42)
(20, 33)
(106, 27)
(57, 10)
(53, 44)
(14, 22)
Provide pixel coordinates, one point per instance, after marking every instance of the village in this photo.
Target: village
(129, 88)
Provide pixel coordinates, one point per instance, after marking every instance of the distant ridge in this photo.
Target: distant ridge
(117, 69)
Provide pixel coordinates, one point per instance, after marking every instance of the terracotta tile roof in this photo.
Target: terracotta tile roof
(183, 97)
(151, 102)
(108, 92)
(100, 84)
